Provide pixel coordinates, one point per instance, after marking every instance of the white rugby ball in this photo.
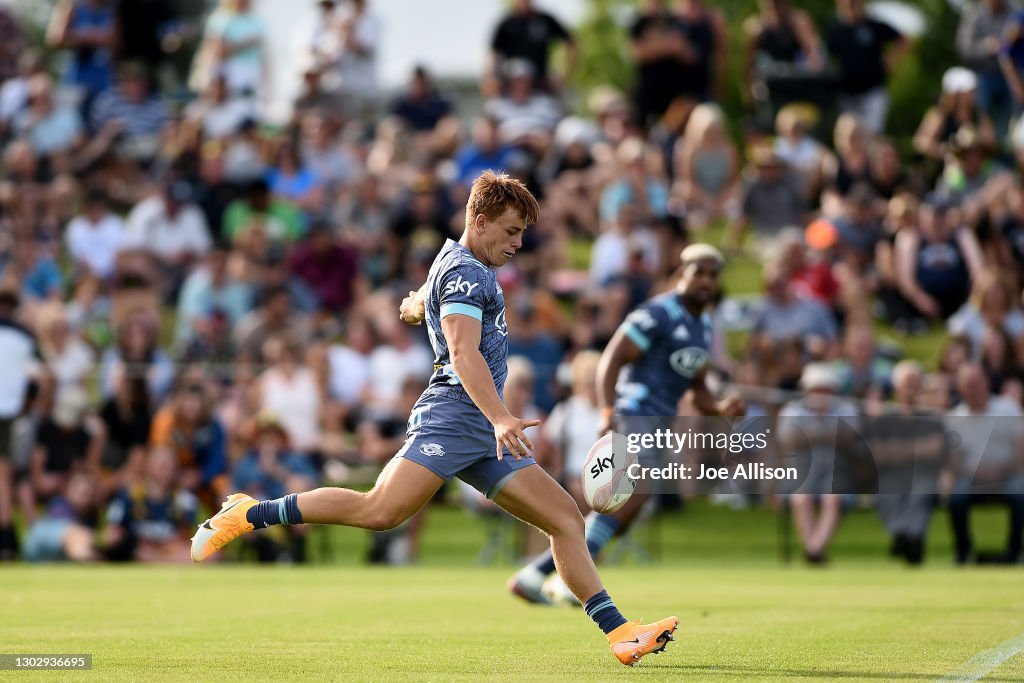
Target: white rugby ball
(606, 484)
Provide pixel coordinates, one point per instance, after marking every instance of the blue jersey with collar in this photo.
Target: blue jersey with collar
(458, 283)
(675, 347)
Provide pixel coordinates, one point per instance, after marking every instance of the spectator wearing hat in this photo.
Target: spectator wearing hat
(771, 199)
(528, 33)
(970, 177)
(936, 263)
(979, 41)
(957, 107)
(171, 228)
(524, 115)
(816, 430)
(862, 48)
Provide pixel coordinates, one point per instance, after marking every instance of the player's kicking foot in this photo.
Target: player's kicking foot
(223, 527)
(528, 584)
(633, 640)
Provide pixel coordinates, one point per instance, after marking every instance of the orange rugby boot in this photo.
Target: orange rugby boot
(633, 640)
(223, 527)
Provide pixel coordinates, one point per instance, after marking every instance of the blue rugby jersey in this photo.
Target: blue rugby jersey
(459, 283)
(676, 346)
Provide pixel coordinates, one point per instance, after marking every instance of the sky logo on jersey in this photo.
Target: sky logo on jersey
(460, 286)
(681, 333)
(689, 361)
(432, 449)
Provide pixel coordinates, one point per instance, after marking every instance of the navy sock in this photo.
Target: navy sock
(278, 511)
(600, 530)
(603, 611)
(545, 562)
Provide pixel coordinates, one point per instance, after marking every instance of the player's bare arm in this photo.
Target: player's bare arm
(463, 335)
(621, 351)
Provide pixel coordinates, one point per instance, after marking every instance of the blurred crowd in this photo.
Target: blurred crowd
(196, 299)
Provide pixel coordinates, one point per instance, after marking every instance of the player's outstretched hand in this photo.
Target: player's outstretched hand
(413, 309)
(510, 433)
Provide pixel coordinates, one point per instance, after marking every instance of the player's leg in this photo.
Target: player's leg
(402, 488)
(535, 498)
(599, 530)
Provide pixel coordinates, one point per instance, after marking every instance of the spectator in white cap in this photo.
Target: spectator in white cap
(811, 434)
(957, 107)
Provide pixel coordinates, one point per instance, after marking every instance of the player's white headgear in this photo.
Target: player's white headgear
(699, 252)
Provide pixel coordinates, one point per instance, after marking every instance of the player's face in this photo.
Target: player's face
(503, 237)
(699, 283)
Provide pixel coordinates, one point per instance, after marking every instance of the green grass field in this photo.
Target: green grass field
(745, 616)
